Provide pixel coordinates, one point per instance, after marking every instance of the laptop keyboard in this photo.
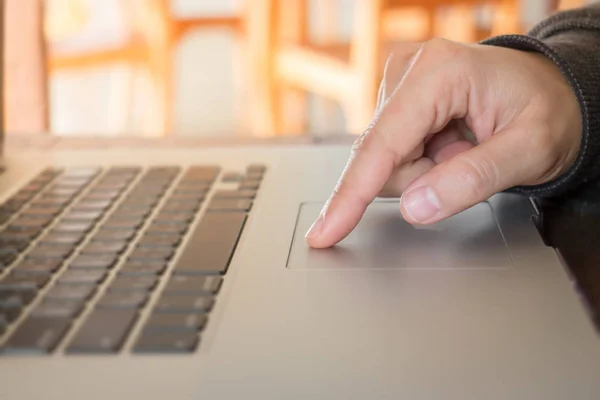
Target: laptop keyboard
(93, 259)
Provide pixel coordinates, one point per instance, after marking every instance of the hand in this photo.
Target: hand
(525, 119)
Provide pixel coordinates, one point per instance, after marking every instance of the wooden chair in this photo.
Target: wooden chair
(155, 34)
(350, 73)
(25, 89)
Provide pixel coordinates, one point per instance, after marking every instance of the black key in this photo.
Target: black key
(25, 234)
(193, 285)
(113, 235)
(230, 205)
(143, 268)
(126, 224)
(249, 185)
(151, 254)
(91, 205)
(118, 177)
(111, 186)
(53, 201)
(16, 240)
(104, 331)
(21, 197)
(164, 169)
(82, 171)
(154, 191)
(135, 209)
(93, 262)
(82, 277)
(98, 197)
(76, 216)
(124, 170)
(186, 189)
(72, 227)
(66, 193)
(48, 252)
(167, 229)
(166, 342)
(126, 299)
(11, 307)
(183, 303)
(137, 202)
(186, 206)
(187, 196)
(37, 335)
(232, 177)
(29, 266)
(159, 241)
(3, 324)
(71, 181)
(8, 255)
(72, 239)
(254, 176)
(51, 308)
(202, 173)
(13, 205)
(39, 221)
(133, 283)
(41, 211)
(174, 217)
(25, 292)
(256, 168)
(235, 194)
(211, 246)
(77, 293)
(96, 247)
(17, 280)
(139, 213)
(68, 187)
(176, 322)
(192, 186)
(33, 186)
(4, 217)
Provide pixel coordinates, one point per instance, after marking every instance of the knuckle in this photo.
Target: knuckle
(444, 48)
(361, 141)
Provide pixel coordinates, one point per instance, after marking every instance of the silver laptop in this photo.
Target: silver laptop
(184, 274)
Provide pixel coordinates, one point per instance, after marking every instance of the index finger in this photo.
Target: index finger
(370, 165)
(412, 110)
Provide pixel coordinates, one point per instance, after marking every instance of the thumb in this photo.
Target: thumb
(470, 177)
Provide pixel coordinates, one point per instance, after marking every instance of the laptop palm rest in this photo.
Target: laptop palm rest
(384, 240)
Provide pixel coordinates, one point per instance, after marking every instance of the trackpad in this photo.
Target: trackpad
(384, 240)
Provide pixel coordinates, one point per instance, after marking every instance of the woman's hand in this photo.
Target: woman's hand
(525, 119)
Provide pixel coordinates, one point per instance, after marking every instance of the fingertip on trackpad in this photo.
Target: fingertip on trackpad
(384, 240)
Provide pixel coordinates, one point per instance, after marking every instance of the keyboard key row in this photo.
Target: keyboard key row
(184, 303)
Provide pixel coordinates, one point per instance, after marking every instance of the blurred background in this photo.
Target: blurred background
(222, 67)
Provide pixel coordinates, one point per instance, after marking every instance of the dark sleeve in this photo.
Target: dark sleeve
(571, 39)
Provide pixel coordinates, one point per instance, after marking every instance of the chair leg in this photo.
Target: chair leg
(294, 102)
(25, 88)
(161, 42)
(263, 107)
(365, 61)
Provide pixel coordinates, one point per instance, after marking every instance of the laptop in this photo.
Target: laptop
(184, 274)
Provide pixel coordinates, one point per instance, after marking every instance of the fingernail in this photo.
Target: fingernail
(315, 229)
(421, 204)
